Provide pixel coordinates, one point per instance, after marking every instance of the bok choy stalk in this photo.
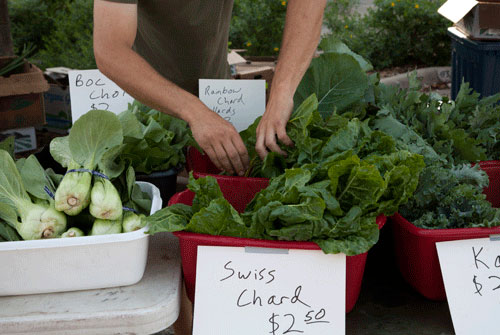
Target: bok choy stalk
(92, 135)
(73, 232)
(104, 227)
(73, 195)
(132, 222)
(40, 220)
(105, 200)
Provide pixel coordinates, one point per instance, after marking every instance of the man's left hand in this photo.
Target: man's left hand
(272, 127)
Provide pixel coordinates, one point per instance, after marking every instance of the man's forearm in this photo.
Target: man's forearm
(300, 39)
(132, 73)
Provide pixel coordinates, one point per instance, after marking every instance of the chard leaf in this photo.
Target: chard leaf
(334, 45)
(353, 244)
(206, 190)
(338, 81)
(172, 218)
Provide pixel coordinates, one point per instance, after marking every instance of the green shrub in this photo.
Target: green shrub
(257, 25)
(339, 15)
(398, 33)
(30, 21)
(70, 44)
(60, 31)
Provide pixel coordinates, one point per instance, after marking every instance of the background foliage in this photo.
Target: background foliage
(257, 25)
(394, 32)
(60, 30)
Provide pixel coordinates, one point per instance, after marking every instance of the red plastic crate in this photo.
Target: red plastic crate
(415, 247)
(189, 242)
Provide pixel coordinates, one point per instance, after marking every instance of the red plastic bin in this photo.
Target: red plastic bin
(415, 248)
(198, 162)
(189, 242)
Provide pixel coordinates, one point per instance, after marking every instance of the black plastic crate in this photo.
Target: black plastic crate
(476, 62)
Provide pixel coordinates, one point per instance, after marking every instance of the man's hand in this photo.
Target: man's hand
(220, 140)
(272, 126)
(300, 40)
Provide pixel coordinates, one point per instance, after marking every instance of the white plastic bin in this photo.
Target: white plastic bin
(77, 263)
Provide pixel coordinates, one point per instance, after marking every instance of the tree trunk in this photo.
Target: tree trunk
(6, 46)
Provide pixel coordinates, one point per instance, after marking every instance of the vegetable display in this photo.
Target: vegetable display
(450, 135)
(334, 182)
(97, 195)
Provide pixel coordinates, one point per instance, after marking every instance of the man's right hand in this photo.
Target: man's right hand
(220, 141)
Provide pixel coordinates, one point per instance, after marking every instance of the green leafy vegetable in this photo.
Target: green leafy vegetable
(334, 182)
(92, 135)
(73, 232)
(8, 145)
(38, 220)
(153, 141)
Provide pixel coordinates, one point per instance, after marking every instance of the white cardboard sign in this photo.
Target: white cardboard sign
(238, 101)
(90, 89)
(248, 291)
(471, 273)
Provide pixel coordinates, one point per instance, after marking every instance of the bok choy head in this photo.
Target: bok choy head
(32, 221)
(82, 150)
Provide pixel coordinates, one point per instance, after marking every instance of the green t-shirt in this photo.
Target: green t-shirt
(184, 40)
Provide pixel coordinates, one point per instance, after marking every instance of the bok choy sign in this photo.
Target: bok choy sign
(248, 291)
(471, 273)
(90, 89)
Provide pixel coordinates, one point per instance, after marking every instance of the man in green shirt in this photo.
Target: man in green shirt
(156, 50)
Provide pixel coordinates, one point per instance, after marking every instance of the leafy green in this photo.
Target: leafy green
(7, 233)
(338, 81)
(36, 179)
(8, 145)
(451, 198)
(37, 220)
(153, 141)
(92, 143)
(334, 182)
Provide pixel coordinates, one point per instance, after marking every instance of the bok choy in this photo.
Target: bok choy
(82, 151)
(31, 220)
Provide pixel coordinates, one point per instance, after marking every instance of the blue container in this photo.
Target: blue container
(476, 62)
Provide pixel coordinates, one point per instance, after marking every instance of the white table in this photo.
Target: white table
(145, 308)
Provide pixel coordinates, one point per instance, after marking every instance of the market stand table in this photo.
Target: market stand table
(147, 307)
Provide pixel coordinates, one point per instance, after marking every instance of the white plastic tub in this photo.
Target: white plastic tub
(76, 263)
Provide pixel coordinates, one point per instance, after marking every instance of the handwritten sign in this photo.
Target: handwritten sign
(248, 291)
(238, 101)
(90, 89)
(471, 273)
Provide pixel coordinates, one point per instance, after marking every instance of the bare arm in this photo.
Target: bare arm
(115, 27)
(300, 39)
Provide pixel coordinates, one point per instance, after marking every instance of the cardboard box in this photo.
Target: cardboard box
(256, 70)
(478, 20)
(24, 138)
(21, 98)
(57, 104)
